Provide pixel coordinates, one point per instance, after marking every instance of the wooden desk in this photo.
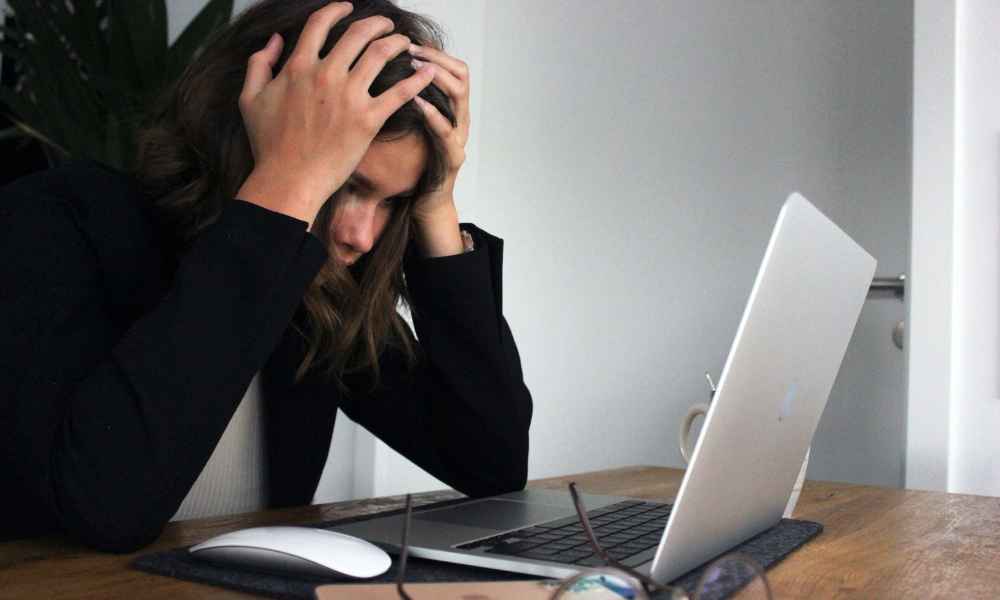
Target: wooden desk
(878, 543)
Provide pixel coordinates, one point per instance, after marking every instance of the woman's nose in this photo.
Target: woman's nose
(356, 226)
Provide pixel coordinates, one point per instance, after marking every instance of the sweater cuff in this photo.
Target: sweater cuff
(245, 223)
(452, 281)
(254, 228)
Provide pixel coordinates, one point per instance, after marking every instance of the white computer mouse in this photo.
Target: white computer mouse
(295, 550)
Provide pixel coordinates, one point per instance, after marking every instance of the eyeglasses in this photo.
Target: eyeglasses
(731, 572)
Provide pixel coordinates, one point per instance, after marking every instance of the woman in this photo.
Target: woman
(292, 189)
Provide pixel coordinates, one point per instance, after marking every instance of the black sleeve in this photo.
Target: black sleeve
(463, 413)
(108, 453)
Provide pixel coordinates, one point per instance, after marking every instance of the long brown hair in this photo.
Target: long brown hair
(193, 156)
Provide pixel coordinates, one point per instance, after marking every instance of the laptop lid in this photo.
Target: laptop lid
(802, 310)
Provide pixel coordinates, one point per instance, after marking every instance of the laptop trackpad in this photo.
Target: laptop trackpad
(495, 514)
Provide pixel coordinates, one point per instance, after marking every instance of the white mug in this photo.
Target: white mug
(701, 409)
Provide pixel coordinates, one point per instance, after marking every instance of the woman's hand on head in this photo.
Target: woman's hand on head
(434, 214)
(451, 75)
(310, 125)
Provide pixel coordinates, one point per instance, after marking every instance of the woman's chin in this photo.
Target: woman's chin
(343, 257)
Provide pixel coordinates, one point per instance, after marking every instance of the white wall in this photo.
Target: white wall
(931, 270)
(955, 357)
(634, 156)
(974, 457)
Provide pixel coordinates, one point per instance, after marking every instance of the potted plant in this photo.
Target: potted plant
(86, 70)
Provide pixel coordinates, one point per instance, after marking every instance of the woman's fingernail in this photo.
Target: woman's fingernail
(417, 64)
(272, 40)
(415, 49)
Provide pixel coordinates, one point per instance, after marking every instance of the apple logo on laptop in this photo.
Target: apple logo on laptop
(786, 406)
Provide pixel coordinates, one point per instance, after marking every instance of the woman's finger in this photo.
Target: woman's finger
(454, 80)
(355, 39)
(260, 68)
(402, 92)
(316, 30)
(454, 66)
(448, 83)
(439, 124)
(376, 56)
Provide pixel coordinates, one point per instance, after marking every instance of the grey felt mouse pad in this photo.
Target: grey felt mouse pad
(767, 549)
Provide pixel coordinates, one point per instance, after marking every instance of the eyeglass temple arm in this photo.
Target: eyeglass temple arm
(404, 550)
(650, 583)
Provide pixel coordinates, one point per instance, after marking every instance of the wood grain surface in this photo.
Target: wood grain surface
(877, 543)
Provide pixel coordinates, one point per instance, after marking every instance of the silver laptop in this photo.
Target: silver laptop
(791, 340)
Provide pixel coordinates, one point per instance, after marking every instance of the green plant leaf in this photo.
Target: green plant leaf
(15, 6)
(34, 104)
(43, 57)
(11, 133)
(81, 26)
(113, 144)
(56, 100)
(10, 34)
(117, 96)
(141, 26)
(87, 68)
(121, 62)
(66, 102)
(213, 16)
(10, 50)
(20, 112)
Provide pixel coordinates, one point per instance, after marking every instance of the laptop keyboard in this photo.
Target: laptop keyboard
(629, 531)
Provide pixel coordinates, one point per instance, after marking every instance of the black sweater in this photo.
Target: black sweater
(121, 364)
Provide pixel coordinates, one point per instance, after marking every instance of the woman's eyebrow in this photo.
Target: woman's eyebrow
(363, 182)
